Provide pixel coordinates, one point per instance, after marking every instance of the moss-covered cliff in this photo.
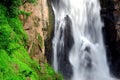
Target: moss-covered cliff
(15, 62)
(50, 34)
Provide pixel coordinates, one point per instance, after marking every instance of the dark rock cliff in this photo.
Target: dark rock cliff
(110, 14)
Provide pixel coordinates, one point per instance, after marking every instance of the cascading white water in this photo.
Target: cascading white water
(87, 55)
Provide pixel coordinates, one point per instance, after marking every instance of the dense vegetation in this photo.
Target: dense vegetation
(15, 63)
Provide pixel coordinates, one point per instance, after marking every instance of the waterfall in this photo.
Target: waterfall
(79, 52)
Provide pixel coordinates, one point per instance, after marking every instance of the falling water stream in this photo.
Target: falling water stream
(79, 52)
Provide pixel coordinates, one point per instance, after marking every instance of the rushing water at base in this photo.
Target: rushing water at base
(79, 52)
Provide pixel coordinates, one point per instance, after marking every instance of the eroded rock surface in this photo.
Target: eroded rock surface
(34, 25)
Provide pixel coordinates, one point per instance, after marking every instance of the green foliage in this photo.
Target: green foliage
(50, 74)
(47, 73)
(13, 6)
(40, 40)
(5, 34)
(51, 20)
(13, 57)
(31, 1)
(16, 26)
(15, 63)
(25, 13)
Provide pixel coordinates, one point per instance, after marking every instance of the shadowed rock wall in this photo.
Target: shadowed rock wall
(110, 14)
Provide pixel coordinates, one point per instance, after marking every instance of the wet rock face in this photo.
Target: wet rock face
(64, 65)
(110, 14)
(117, 24)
